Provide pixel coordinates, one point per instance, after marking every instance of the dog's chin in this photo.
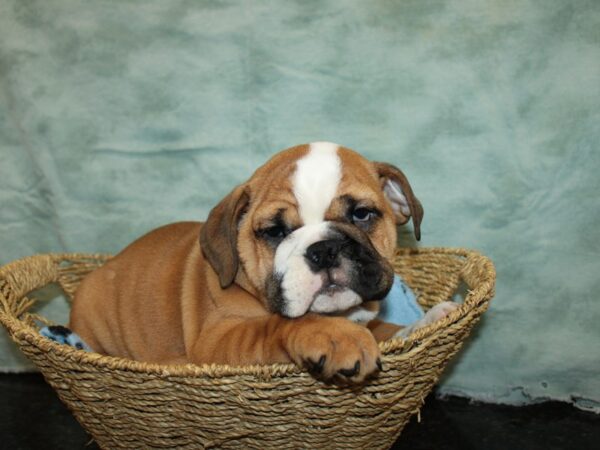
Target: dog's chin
(334, 299)
(328, 299)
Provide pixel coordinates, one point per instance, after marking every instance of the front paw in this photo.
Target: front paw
(335, 349)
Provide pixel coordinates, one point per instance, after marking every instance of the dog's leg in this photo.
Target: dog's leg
(382, 331)
(330, 347)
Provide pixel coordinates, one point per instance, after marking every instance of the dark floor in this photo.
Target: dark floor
(32, 417)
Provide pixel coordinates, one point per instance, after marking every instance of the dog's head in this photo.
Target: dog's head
(314, 229)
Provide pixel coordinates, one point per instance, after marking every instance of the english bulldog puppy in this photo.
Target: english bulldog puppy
(289, 267)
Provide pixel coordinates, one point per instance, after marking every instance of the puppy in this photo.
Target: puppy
(282, 270)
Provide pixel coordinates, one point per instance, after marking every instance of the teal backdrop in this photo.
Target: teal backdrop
(119, 116)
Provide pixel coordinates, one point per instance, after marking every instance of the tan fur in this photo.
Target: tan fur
(160, 300)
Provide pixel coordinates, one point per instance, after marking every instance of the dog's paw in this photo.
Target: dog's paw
(335, 349)
(436, 313)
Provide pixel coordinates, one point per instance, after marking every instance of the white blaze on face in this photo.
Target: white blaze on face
(314, 183)
(316, 180)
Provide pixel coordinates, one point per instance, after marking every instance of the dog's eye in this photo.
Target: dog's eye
(276, 232)
(362, 215)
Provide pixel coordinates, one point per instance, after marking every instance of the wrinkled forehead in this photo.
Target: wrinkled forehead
(314, 178)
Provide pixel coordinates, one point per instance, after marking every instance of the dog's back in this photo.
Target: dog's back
(152, 272)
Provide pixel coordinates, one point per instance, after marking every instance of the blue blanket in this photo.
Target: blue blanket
(63, 335)
(400, 306)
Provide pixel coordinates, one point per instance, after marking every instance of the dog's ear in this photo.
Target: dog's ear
(218, 236)
(398, 192)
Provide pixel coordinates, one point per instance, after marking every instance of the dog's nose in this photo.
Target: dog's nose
(323, 254)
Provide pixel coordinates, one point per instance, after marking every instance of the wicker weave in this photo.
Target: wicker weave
(128, 404)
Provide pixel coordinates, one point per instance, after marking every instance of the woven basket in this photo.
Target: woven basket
(129, 404)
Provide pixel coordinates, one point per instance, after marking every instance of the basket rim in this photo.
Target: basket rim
(481, 294)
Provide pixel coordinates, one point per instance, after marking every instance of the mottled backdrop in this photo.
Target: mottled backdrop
(119, 116)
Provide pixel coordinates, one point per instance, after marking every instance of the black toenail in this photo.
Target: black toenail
(316, 367)
(321, 363)
(350, 372)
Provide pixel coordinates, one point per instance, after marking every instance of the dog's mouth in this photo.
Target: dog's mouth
(334, 298)
(335, 279)
(331, 289)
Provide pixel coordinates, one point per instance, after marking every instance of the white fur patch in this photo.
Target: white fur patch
(338, 301)
(316, 181)
(360, 315)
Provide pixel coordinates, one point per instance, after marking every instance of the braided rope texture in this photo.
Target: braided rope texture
(127, 404)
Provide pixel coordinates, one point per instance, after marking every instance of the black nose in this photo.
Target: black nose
(323, 254)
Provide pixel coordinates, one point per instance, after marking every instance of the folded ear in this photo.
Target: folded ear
(398, 192)
(218, 236)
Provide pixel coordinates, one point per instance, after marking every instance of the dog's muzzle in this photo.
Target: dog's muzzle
(327, 269)
(365, 270)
